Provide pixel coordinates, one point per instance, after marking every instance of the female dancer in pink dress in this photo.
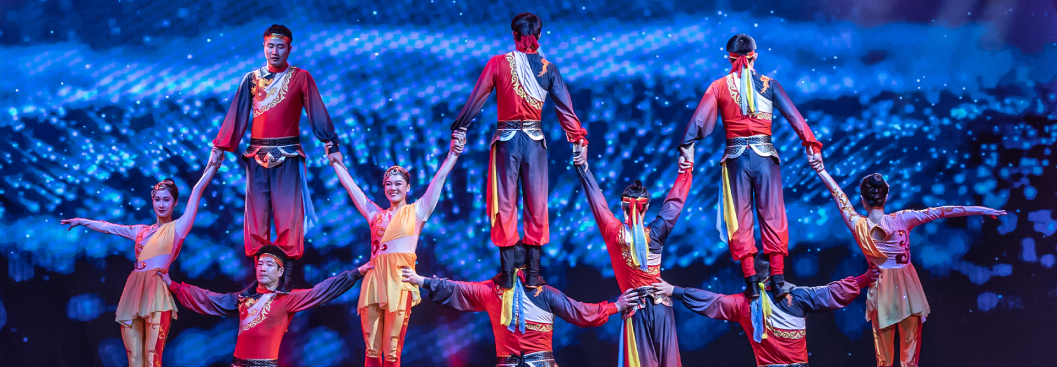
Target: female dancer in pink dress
(897, 298)
(146, 307)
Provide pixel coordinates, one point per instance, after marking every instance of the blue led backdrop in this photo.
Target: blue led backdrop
(955, 102)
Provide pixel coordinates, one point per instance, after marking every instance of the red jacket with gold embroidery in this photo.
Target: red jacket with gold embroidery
(722, 99)
(617, 234)
(512, 100)
(540, 311)
(261, 328)
(786, 329)
(275, 110)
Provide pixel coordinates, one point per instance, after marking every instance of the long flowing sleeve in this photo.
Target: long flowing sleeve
(481, 91)
(704, 119)
(913, 218)
(832, 296)
(318, 116)
(205, 302)
(786, 107)
(563, 107)
(662, 226)
(712, 305)
(122, 230)
(325, 291)
(238, 117)
(576, 312)
(459, 296)
(607, 223)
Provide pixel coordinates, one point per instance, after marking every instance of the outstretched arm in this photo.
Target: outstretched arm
(786, 107)
(129, 232)
(430, 198)
(673, 205)
(584, 314)
(607, 223)
(481, 91)
(712, 305)
(203, 301)
(846, 210)
(187, 220)
(834, 295)
(916, 217)
(366, 207)
(459, 296)
(327, 290)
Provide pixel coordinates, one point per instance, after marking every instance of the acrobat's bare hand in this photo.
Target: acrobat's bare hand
(458, 141)
(994, 213)
(815, 160)
(164, 277)
(216, 156)
(365, 268)
(626, 299)
(664, 288)
(336, 157)
(410, 276)
(580, 153)
(73, 222)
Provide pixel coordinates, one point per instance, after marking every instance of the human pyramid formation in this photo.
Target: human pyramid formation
(520, 305)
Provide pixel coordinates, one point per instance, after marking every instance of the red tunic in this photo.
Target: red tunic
(539, 331)
(513, 103)
(722, 99)
(278, 117)
(617, 236)
(260, 336)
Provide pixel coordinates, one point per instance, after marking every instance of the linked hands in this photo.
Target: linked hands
(686, 158)
(216, 156)
(814, 158)
(458, 141)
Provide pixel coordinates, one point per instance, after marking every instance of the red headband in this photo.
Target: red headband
(528, 44)
(740, 61)
(273, 257)
(277, 36)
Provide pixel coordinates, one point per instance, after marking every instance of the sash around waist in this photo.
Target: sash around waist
(157, 262)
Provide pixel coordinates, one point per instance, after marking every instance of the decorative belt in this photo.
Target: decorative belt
(239, 362)
(534, 359)
(751, 140)
(518, 125)
(787, 365)
(270, 152)
(275, 142)
(761, 144)
(644, 293)
(157, 262)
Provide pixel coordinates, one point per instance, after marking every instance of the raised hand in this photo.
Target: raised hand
(626, 299)
(410, 276)
(458, 141)
(73, 223)
(664, 288)
(815, 159)
(579, 153)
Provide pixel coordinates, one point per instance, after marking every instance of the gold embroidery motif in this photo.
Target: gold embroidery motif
(258, 318)
(544, 71)
(625, 252)
(543, 328)
(515, 83)
(766, 83)
(792, 335)
(733, 89)
(280, 93)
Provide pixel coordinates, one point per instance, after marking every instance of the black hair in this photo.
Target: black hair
(168, 185)
(526, 24)
(280, 29)
(741, 44)
(874, 190)
(636, 190)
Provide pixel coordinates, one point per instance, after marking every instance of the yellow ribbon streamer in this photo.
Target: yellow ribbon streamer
(729, 215)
